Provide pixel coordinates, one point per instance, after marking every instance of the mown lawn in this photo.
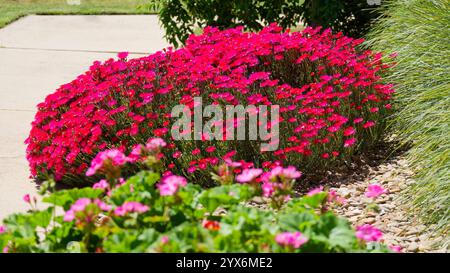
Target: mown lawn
(11, 10)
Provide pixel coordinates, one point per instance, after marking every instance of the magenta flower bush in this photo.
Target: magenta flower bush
(331, 97)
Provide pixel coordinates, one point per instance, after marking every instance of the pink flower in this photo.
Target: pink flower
(248, 175)
(164, 240)
(284, 173)
(394, 248)
(136, 153)
(375, 190)
(357, 120)
(368, 233)
(349, 131)
(80, 205)
(5, 249)
(176, 155)
(155, 144)
(268, 189)
(102, 184)
(129, 207)
(349, 142)
(291, 173)
(333, 196)
(291, 239)
(114, 156)
(170, 184)
(27, 198)
(102, 205)
(122, 55)
(232, 164)
(315, 191)
(69, 216)
(368, 124)
(2, 229)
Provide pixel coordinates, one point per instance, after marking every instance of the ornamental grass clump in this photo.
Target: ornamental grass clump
(417, 31)
(330, 96)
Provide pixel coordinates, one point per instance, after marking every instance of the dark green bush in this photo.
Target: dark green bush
(180, 18)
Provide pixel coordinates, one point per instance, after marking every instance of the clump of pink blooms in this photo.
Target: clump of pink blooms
(130, 207)
(330, 94)
(291, 239)
(169, 185)
(368, 233)
(80, 206)
(277, 184)
(315, 191)
(375, 190)
(102, 184)
(248, 175)
(103, 159)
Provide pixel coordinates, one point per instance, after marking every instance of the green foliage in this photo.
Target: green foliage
(418, 32)
(353, 17)
(180, 18)
(184, 222)
(65, 198)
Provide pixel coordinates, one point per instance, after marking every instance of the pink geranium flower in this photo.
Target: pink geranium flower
(375, 190)
(334, 197)
(368, 233)
(315, 191)
(394, 248)
(284, 173)
(114, 156)
(291, 239)
(102, 184)
(268, 189)
(2, 229)
(129, 207)
(248, 175)
(80, 205)
(170, 184)
(26, 198)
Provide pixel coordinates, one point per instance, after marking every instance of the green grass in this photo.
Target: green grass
(11, 10)
(418, 30)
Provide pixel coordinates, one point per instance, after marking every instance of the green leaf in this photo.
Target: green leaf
(342, 237)
(65, 198)
(225, 196)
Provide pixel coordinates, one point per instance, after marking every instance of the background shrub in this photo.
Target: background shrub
(180, 18)
(330, 96)
(418, 32)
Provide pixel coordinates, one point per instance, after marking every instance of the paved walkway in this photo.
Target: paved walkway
(40, 53)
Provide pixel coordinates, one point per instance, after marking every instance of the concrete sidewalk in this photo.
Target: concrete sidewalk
(40, 53)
